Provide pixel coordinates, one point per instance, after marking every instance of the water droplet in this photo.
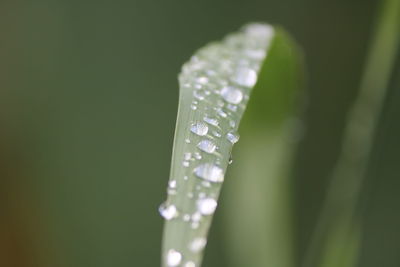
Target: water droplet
(197, 155)
(168, 212)
(172, 184)
(187, 141)
(222, 113)
(202, 80)
(186, 217)
(206, 206)
(207, 146)
(230, 159)
(232, 137)
(209, 172)
(193, 107)
(232, 107)
(231, 94)
(245, 77)
(199, 128)
(198, 244)
(196, 217)
(216, 134)
(199, 94)
(187, 155)
(185, 163)
(174, 258)
(190, 264)
(211, 121)
(232, 124)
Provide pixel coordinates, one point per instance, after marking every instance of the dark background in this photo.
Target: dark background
(88, 100)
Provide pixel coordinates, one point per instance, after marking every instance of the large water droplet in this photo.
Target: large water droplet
(206, 206)
(199, 128)
(245, 77)
(174, 258)
(232, 137)
(209, 172)
(198, 244)
(168, 212)
(207, 146)
(231, 94)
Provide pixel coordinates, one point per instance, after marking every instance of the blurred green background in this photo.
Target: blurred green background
(88, 101)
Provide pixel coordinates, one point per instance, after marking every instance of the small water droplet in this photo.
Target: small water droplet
(199, 128)
(211, 121)
(222, 113)
(172, 184)
(168, 212)
(231, 95)
(202, 80)
(209, 172)
(196, 217)
(232, 107)
(197, 155)
(206, 206)
(198, 244)
(190, 264)
(187, 141)
(199, 94)
(245, 77)
(207, 146)
(187, 155)
(232, 137)
(193, 107)
(186, 217)
(230, 159)
(185, 163)
(232, 124)
(206, 183)
(174, 258)
(216, 134)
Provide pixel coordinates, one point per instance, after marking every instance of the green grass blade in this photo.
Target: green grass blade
(215, 86)
(338, 232)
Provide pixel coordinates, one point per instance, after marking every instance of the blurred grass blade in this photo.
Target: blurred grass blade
(339, 224)
(256, 203)
(215, 86)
